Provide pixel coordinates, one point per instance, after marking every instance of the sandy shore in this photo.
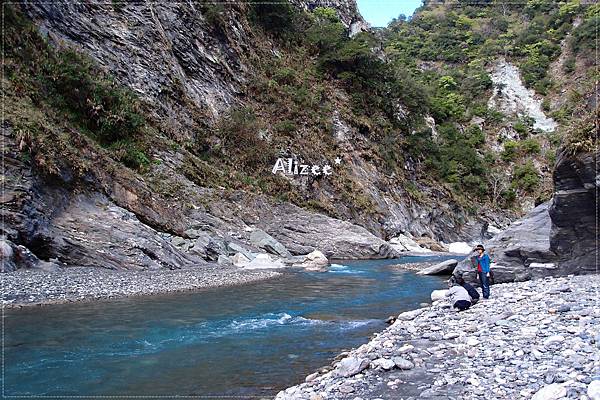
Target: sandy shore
(531, 340)
(27, 287)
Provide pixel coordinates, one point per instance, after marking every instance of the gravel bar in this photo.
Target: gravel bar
(535, 340)
(28, 287)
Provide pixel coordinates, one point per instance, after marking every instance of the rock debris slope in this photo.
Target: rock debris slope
(512, 97)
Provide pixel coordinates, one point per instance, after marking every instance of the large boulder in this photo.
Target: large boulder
(7, 256)
(239, 260)
(207, 246)
(443, 268)
(263, 240)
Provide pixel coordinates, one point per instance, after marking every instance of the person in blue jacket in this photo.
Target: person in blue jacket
(482, 262)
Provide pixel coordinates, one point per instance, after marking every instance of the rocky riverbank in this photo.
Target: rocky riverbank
(30, 287)
(531, 340)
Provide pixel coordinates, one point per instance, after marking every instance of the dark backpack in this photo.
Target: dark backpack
(471, 290)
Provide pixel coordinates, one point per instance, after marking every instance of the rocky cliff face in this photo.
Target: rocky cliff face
(574, 212)
(182, 58)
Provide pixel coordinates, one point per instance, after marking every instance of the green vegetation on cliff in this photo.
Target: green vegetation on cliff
(49, 89)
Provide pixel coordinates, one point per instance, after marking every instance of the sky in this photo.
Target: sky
(379, 12)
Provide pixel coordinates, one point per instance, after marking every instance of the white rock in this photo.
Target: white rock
(311, 377)
(438, 295)
(403, 243)
(410, 315)
(407, 348)
(473, 380)
(515, 98)
(450, 335)
(550, 392)
(350, 366)
(593, 390)
(403, 363)
(239, 260)
(543, 265)
(445, 267)
(460, 248)
(554, 339)
(263, 261)
(384, 363)
(493, 230)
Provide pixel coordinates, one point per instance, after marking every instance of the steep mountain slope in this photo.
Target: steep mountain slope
(172, 116)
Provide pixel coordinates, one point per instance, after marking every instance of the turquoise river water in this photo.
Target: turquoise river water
(250, 340)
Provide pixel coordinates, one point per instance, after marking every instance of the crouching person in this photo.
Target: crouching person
(459, 297)
(473, 293)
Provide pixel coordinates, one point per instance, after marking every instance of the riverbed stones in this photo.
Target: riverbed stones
(26, 287)
(507, 347)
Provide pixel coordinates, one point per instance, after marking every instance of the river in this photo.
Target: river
(250, 340)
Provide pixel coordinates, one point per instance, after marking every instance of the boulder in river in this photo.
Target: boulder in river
(314, 261)
(443, 268)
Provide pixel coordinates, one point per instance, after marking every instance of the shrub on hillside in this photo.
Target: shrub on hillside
(526, 177)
